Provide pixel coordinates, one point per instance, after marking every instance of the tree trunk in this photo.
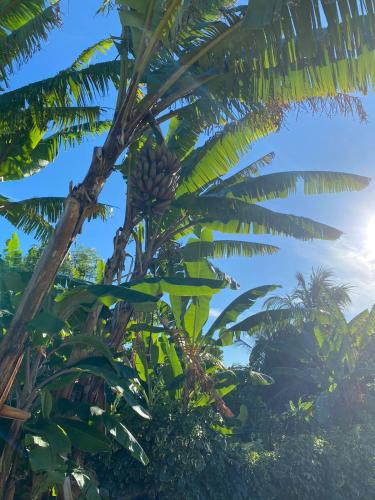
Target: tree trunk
(94, 388)
(8, 463)
(120, 320)
(77, 209)
(113, 265)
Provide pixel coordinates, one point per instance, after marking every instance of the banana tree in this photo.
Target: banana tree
(164, 209)
(49, 366)
(172, 352)
(168, 209)
(193, 256)
(212, 63)
(53, 426)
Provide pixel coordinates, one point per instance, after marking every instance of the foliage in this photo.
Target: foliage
(82, 263)
(99, 341)
(57, 423)
(34, 127)
(311, 467)
(310, 433)
(187, 458)
(313, 352)
(24, 25)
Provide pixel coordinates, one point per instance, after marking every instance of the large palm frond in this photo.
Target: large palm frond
(219, 249)
(26, 153)
(237, 217)
(305, 47)
(23, 25)
(50, 117)
(38, 215)
(283, 184)
(303, 51)
(223, 151)
(68, 85)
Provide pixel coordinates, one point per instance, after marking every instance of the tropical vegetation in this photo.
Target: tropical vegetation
(112, 377)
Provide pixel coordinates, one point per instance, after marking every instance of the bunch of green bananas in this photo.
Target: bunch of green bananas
(154, 180)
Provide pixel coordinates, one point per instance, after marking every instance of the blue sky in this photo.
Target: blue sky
(306, 143)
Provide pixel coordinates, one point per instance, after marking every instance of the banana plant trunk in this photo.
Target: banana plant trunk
(81, 200)
(8, 463)
(113, 264)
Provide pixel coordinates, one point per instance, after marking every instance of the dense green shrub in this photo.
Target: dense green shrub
(192, 461)
(305, 467)
(188, 460)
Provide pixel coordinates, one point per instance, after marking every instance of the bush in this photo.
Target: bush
(192, 461)
(306, 467)
(188, 460)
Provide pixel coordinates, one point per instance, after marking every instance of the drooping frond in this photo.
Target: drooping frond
(11, 123)
(283, 184)
(238, 65)
(67, 86)
(237, 217)
(224, 249)
(224, 149)
(38, 215)
(309, 48)
(19, 44)
(27, 152)
(48, 148)
(15, 13)
(300, 53)
(33, 216)
(85, 57)
(238, 306)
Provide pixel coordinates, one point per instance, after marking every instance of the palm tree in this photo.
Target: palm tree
(311, 351)
(320, 293)
(202, 65)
